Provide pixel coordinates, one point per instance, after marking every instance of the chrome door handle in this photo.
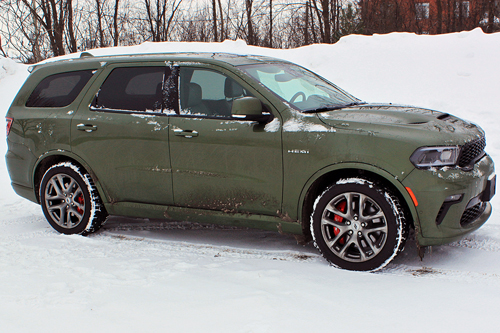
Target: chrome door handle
(185, 133)
(86, 127)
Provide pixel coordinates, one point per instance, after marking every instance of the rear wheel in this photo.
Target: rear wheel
(358, 225)
(70, 201)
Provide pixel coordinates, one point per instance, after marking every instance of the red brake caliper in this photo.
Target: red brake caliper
(341, 206)
(81, 201)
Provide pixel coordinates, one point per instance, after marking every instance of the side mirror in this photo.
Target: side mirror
(246, 106)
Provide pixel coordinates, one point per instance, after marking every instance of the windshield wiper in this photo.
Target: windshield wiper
(333, 107)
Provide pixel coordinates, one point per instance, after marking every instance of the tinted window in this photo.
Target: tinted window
(208, 93)
(59, 90)
(132, 89)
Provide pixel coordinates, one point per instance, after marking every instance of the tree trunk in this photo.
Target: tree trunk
(491, 16)
(439, 17)
(306, 24)
(271, 23)
(250, 33)
(36, 45)
(214, 18)
(222, 36)
(71, 32)
(99, 23)
(115, 24)
(326, 21)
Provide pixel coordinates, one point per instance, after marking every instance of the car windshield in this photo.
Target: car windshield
(301, 88)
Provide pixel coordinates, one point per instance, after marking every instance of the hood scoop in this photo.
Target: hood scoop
(444, 116)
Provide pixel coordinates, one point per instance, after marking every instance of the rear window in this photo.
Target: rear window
(59, 90)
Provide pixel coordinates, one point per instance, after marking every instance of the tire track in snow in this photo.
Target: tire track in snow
(404, 270)
(202, 245)
(119, 243)
(487, 239)
(215, 251)
(439, 273)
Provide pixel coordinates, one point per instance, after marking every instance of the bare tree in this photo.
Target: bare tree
(214, 16)
(99, 5)
(116, 35)
(492, 8)
(222, 31)
(160, 14)
(36, 29)
(270, 43)
(56, 17)
(69, 26)
(250, 33)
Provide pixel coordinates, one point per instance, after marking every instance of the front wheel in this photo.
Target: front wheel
(70, 201)
(358, 225)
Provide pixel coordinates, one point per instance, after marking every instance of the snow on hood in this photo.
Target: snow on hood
(398, 115)
(405, 121)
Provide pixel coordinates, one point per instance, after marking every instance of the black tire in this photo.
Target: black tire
(351, 238)
(70, 201)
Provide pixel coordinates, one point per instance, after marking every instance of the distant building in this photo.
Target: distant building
(429, 16)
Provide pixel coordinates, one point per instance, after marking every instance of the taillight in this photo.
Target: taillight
(9, 124)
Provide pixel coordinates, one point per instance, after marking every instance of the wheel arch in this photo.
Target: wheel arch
(53, 157)
(329, 175)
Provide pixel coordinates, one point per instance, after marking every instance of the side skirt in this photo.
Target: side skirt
(265, 222)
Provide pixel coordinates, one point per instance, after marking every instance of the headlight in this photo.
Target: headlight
(426, 157)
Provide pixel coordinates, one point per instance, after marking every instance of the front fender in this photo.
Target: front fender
(340, 170)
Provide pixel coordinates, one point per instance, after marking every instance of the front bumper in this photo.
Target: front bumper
(442, 221)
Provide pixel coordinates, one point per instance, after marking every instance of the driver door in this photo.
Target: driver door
(220, 163)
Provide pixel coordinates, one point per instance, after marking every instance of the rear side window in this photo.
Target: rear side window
(132, 89)
(59, 90)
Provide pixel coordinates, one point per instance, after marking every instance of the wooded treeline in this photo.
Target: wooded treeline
(429, 16)
(33, 30)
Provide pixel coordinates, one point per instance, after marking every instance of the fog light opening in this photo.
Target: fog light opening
(454, 198)
(448, 202)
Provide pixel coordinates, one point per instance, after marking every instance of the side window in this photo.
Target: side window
(59, 90)
(132, 89)
(208, 93)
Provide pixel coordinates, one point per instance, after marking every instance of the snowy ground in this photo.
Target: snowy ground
(150, 276)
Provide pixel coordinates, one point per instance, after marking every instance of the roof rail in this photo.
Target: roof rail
(86, 55)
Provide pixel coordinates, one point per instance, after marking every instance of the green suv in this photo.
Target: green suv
(247, 141)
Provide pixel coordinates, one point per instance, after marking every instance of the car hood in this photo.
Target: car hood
(373, 116)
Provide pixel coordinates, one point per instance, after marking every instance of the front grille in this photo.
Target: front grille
(471, 214)
(471, 151)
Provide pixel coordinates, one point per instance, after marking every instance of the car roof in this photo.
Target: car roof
(204, 57)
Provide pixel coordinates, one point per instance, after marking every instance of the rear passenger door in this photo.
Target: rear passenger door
(218, 162)
(121, 131)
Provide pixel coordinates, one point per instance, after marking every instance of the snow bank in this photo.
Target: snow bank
(12, 76)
